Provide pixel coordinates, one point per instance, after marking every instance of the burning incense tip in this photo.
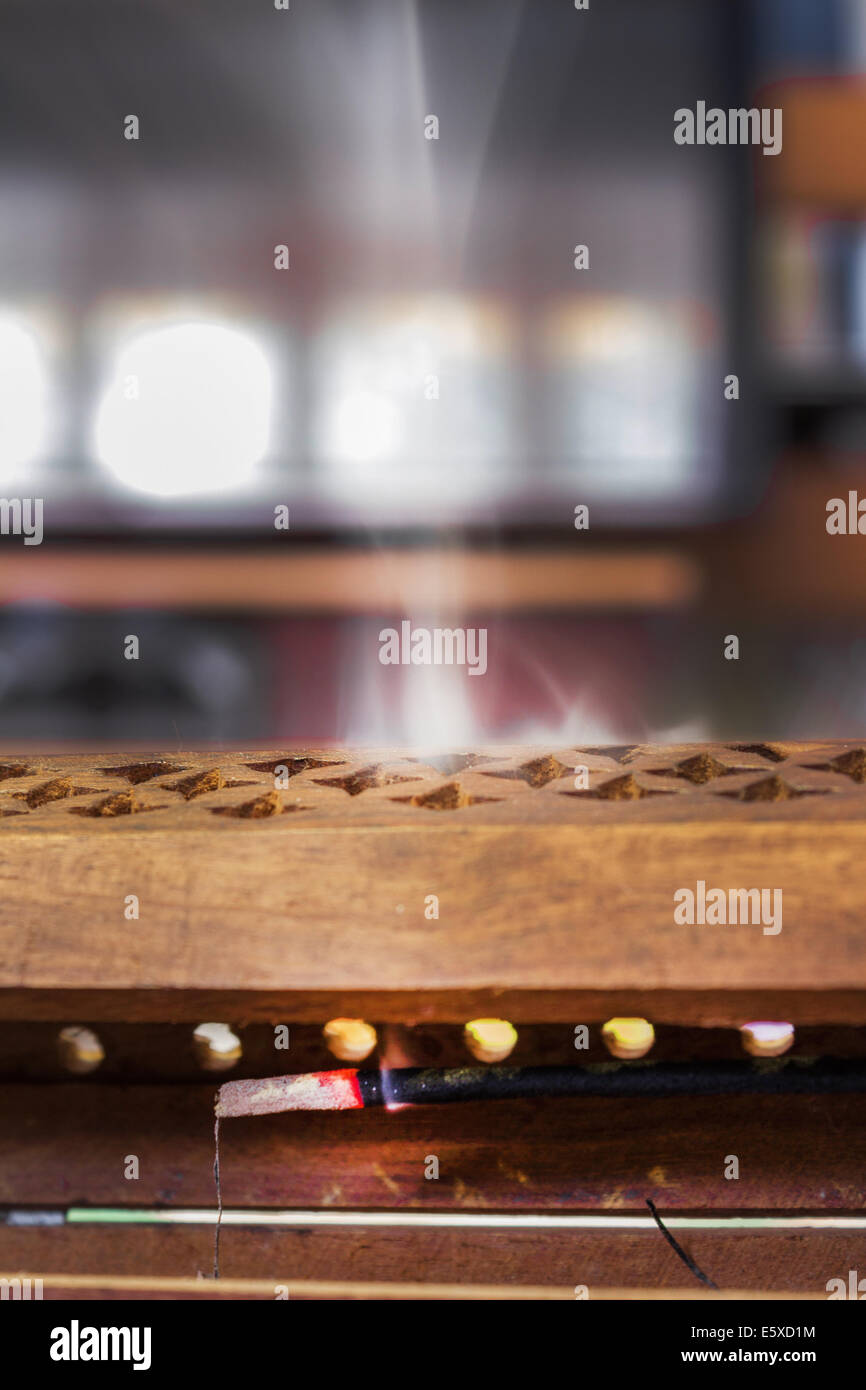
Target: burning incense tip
(323, 1090)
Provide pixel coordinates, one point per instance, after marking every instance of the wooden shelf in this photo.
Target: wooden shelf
(351, 581)
(821, 163)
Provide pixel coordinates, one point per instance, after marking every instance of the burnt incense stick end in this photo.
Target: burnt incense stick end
(326, 1090)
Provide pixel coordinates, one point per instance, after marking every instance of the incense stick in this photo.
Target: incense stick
(350, 1089)
(219, 1196)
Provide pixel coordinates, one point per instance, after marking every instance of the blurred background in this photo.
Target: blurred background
(283, 295)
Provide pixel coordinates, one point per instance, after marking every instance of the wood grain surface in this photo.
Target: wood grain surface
(66, 1144)
(97, 1287)
(802, 1262)
(259, 899)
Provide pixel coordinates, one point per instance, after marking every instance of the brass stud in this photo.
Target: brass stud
(349, 1039)
(80, 1050)
(217, 1048)
(490, 1039)
(767, 1039)
(628, 1037)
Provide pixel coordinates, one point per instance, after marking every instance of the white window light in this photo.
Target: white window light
(24, 396)
(624, 390)
(413, 395)
(187, 410)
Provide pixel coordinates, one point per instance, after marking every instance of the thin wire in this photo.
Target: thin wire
(686, 1259)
